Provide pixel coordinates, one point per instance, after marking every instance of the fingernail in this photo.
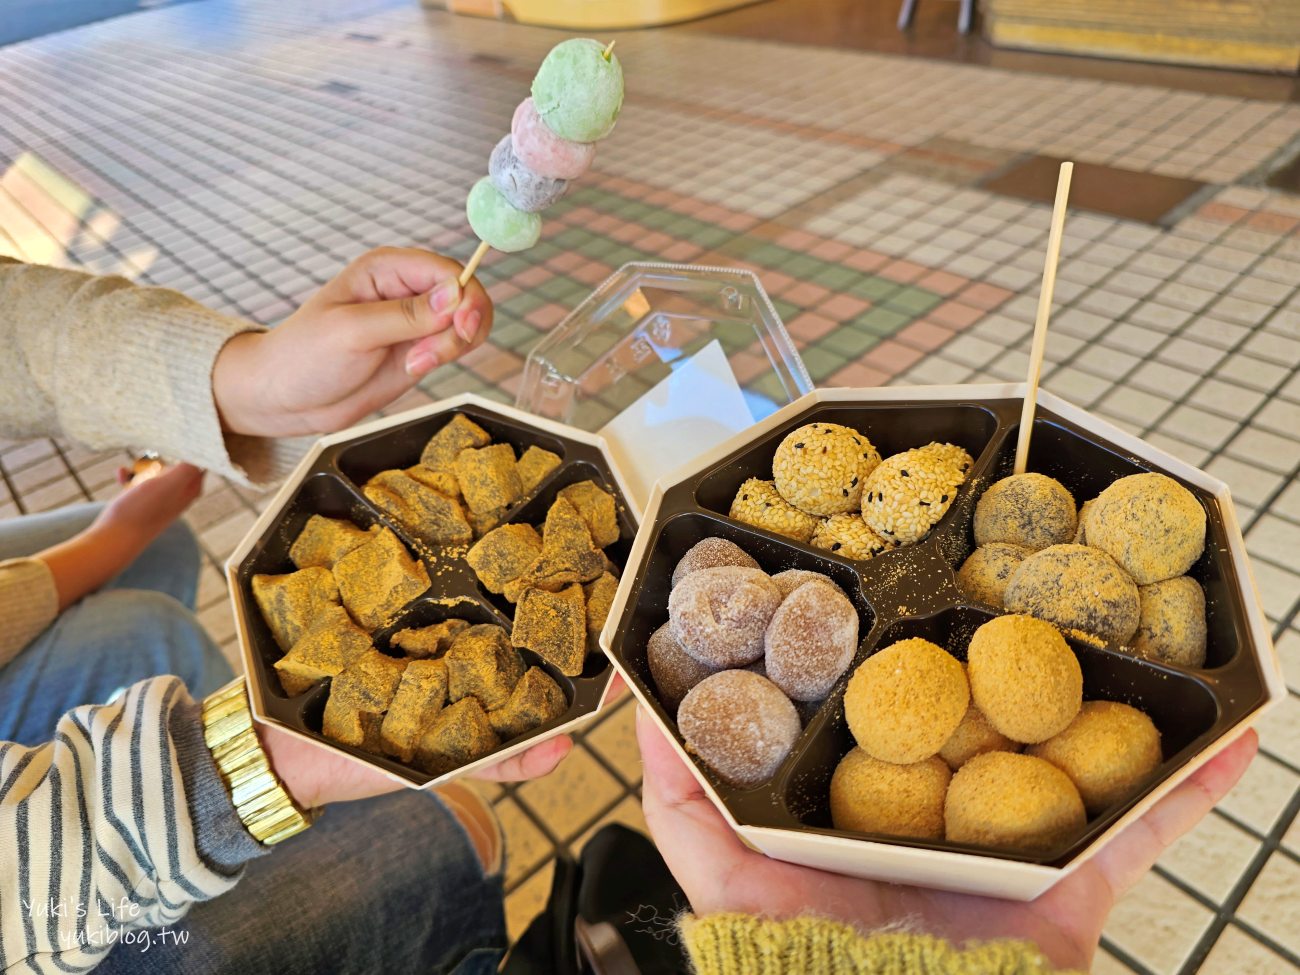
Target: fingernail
(468, 326)
(419, 361)
(445, 296)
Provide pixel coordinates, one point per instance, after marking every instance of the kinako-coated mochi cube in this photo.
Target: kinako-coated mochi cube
(433, 518)
(348, 726)
(290, 603)
(489, 478)
(554, 626)
(420, 696)
(502, 555)
(428, 641)
(369, 682)
(444, 482)
(328, 646)
(323, 541)
(536, 699)
(378, 579)
(600, 597)
(534, 464)
(568, 555)
(484, 521)
(459, 433)
(483, 664)
(458, 734)
(597, 508)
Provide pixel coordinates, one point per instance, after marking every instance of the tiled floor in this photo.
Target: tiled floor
(243, 151)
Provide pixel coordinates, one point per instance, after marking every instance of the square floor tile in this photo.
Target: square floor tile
(1237, 953)
(1272, 905)
(1247, 482)
(1211, 857)
(1266, 449)
(626, 813)
(526, 845)
(615, 740)
(1104, 963)
(571, 797)
(1157, 924)
(526, 902)
(1279, 731)
(1198, 426)
(1262, 794)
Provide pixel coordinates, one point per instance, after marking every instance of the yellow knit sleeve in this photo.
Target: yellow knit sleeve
(732, 944)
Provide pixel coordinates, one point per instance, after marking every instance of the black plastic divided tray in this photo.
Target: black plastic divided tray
(912, 592)
(332, 487)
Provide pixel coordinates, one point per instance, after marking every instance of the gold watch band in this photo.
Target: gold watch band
(264, 806)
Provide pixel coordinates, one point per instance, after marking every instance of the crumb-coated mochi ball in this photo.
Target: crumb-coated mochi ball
(720, 615)
(710, 553)
(974, 736)
(1081, 528)
(1108, 750)
(871, 796)
(740, 725)
(1013, 802)
(810, 641)
(987, 570)
(1024, 677)
(674, 670)
(1076, 587)
(905, 701)
(1150, 524)
(819, 468)
(1029, 510)
(907, 494)
(791, 579)
(1171, 622)
(758, 503)
(848, 535)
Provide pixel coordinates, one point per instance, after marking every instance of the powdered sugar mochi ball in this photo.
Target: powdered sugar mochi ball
(522, 188)
(578, 90)
(498, 223)
(544, 152)
(740, 725)
(811, 640)
(720, 615)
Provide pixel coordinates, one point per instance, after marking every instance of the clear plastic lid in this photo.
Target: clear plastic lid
(666, 361)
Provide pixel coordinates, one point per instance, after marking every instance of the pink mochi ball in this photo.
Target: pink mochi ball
(544, 152)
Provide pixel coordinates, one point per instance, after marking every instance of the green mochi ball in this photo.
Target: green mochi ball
(497, 223)
(577, 92)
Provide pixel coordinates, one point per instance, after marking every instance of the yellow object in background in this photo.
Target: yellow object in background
(595, 14)
(1255, 35)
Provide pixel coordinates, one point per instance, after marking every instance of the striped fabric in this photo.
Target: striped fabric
(98, 834)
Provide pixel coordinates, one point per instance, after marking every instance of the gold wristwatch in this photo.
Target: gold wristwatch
(264, 806)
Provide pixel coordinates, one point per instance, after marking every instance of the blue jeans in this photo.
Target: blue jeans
(390, 884)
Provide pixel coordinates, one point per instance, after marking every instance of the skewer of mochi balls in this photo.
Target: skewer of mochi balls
(576, 98)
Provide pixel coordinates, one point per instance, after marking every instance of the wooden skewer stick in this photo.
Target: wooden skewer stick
(474, 262)
(1044, 313)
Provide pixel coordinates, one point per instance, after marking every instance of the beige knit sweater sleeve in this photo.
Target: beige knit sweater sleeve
(109, 364)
